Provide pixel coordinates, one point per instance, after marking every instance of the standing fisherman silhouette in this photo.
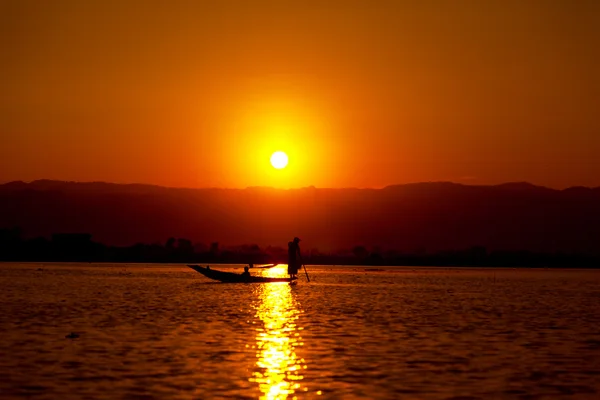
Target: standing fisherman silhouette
(293, 263)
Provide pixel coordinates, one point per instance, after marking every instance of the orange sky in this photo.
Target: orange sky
(358, 93)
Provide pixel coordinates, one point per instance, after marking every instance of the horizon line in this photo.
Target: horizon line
(522, 183)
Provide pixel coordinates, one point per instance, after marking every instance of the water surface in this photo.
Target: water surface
(164, 331)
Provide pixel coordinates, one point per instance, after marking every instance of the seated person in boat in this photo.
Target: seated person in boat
(246, 273)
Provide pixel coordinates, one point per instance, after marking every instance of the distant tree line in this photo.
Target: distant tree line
(79, 247)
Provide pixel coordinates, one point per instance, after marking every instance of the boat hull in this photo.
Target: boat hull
(230, 277)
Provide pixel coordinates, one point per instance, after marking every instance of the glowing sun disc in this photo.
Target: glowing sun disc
(279, 159)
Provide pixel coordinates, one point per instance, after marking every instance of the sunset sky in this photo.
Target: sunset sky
(357, 93)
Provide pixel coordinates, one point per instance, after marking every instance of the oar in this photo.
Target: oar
(305, 271)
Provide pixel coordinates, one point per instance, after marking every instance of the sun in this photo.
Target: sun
(279, 159)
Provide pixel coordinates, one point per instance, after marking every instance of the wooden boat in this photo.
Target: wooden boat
(233, 277)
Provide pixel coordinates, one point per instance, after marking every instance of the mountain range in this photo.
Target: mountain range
(433, 216)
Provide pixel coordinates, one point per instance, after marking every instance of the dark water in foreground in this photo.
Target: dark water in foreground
(168, 332)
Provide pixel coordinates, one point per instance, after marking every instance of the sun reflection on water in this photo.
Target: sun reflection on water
(278, 270)
(278, 369)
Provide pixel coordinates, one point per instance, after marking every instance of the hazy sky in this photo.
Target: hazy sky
(358, 93)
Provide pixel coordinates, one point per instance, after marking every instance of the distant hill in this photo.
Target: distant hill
(413, 217)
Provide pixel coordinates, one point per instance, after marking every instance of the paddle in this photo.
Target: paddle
(305, 271)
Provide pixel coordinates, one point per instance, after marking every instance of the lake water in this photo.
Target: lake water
(167, 332)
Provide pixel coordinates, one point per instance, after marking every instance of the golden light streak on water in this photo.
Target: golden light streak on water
(278, 270)
(278, 369)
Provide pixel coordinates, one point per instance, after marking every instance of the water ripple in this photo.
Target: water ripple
(150, 332)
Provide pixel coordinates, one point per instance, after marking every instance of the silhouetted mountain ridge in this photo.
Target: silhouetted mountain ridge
(430, 215)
